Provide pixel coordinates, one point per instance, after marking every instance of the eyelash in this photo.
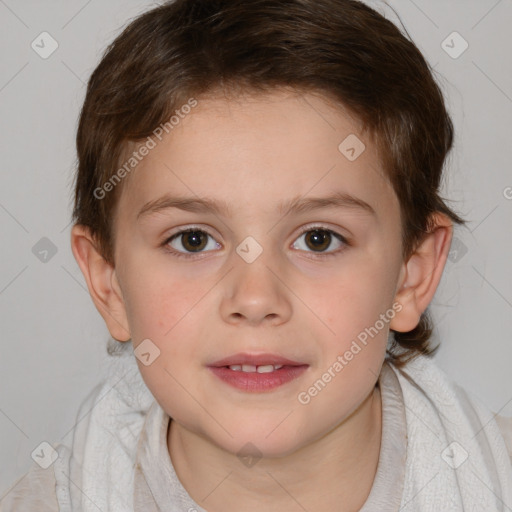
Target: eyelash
(307, 229)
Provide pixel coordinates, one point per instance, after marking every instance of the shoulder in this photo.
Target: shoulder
(33, 492)
(40, 489)
(505, 426)
(423, 375)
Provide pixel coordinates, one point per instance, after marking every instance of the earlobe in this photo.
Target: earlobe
(421, 274)
(101, 280)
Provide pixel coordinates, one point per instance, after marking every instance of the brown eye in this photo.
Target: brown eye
(318, 239)
(191, 241)
(194, 240)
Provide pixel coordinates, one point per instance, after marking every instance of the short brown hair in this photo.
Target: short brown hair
(342, 49)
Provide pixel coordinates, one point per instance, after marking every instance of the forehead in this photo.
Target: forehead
(257, 152)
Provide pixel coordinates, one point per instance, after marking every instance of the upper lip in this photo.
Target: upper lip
(255, 359)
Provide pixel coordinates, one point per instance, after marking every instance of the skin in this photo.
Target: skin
(253, 152)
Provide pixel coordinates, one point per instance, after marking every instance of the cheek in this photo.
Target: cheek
(352, 301)
(156, 303)
(165, 311)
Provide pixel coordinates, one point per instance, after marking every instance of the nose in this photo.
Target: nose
(255, 295)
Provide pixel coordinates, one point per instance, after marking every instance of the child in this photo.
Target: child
(258, 220)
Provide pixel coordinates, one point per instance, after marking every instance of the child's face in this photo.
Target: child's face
(254, 155)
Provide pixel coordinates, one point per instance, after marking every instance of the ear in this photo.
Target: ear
(420, 275)
(101, 281)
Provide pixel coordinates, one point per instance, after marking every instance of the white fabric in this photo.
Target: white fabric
(438, 413)
(110, 423)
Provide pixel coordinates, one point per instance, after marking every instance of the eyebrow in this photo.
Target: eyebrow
(296, 205)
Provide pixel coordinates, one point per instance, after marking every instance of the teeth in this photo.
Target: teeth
(250, 368)
(265, 369)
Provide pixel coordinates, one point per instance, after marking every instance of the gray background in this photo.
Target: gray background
(53, 340)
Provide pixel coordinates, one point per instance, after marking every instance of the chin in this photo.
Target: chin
(254, 443)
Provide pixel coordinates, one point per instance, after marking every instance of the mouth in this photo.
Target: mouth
(257, 373)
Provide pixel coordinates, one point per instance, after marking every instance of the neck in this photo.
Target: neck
(333, 473)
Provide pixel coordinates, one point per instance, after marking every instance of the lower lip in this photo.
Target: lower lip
(255, 382)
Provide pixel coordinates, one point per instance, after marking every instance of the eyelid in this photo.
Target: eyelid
(191, 227)
(322, 227)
